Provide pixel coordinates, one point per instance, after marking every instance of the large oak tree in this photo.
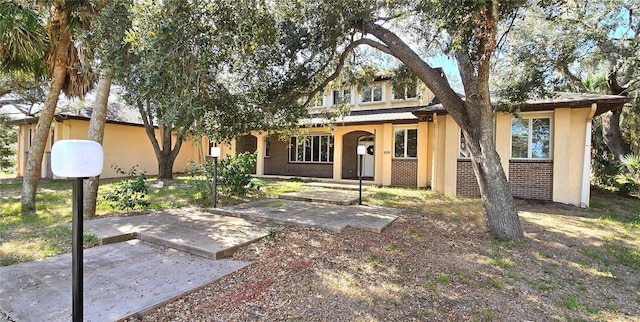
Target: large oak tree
(317, 38)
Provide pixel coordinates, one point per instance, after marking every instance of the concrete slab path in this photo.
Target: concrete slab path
(191, 230)
(322, 215)
(342, 197)
(120, 280)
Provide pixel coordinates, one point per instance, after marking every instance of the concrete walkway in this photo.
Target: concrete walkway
(120, 280)
(148, 260)
(316, 214)
(190, 230)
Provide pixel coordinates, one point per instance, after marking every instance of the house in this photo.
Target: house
(125, 141)
(412, 141)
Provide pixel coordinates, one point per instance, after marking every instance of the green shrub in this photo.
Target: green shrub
(234, 176)
(628, 181)
(131, 192)
(235, 173)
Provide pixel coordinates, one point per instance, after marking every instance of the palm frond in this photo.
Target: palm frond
(23, 43)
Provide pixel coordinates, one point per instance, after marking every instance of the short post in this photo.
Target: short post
(361, 151)
(77, 159)
(215, 153)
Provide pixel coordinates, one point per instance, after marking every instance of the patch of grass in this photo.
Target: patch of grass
(482, 314)
(374, 260)
(273, 188)
(570, 302)
(614, 253)
(443, 278)
(395, 249)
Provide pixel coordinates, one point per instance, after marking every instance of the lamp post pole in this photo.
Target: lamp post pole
(361, 151)
(77, 159)
(215, 153)
(77, 249)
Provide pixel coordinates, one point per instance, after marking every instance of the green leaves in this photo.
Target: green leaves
(22, 35)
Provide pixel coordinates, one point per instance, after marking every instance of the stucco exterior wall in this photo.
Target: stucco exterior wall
(569, 154)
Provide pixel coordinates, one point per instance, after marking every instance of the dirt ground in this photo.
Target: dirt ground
(438, 265)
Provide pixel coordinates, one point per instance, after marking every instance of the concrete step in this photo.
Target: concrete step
(323, 195)
(189, 230)
(338, 186)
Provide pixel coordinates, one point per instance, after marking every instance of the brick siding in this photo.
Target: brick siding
(404, 172)
(467, 184)
(278, 164)
(531, 179)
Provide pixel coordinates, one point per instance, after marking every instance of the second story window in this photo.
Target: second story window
(405, 91)
(341, 96)
(372, 94)
(317, 100)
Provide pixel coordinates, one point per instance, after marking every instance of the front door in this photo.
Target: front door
(368, 159)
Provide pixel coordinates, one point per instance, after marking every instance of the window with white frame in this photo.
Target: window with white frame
(404, 91)
(372, 94)
(531, 138)
(405, 143)
(312, 148)
(317, 100)
(341, 96)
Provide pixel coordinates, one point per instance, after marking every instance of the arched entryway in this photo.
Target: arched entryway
(350, 166)
(247, 143)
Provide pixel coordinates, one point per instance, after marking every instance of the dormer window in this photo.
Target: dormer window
(405, 91)
(341, 96)
(372, 94)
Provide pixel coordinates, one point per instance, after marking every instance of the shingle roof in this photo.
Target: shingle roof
(558, 99)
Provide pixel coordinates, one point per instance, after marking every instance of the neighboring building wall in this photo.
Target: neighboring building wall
(404, 172)
(124, 145)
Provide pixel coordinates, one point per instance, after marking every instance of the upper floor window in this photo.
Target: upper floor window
(405, 143)
(312, 148)
(372, 94)
(405, 91)
(341, 96)
(317, 100)
(531, 138)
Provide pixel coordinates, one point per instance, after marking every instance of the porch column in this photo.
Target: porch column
(423, 148)
(338, 135)
(452, 143)
(387, 153)
(260, 155)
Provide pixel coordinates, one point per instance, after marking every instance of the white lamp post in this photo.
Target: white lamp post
(77, 159)
(361, 152)
(215, 153)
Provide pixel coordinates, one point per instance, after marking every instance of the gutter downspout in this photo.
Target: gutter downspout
(586, 168)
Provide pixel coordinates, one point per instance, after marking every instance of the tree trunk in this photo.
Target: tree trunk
(39, 141)
(165, 155)
(475, 118)
(611, 120)
(96, 133)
